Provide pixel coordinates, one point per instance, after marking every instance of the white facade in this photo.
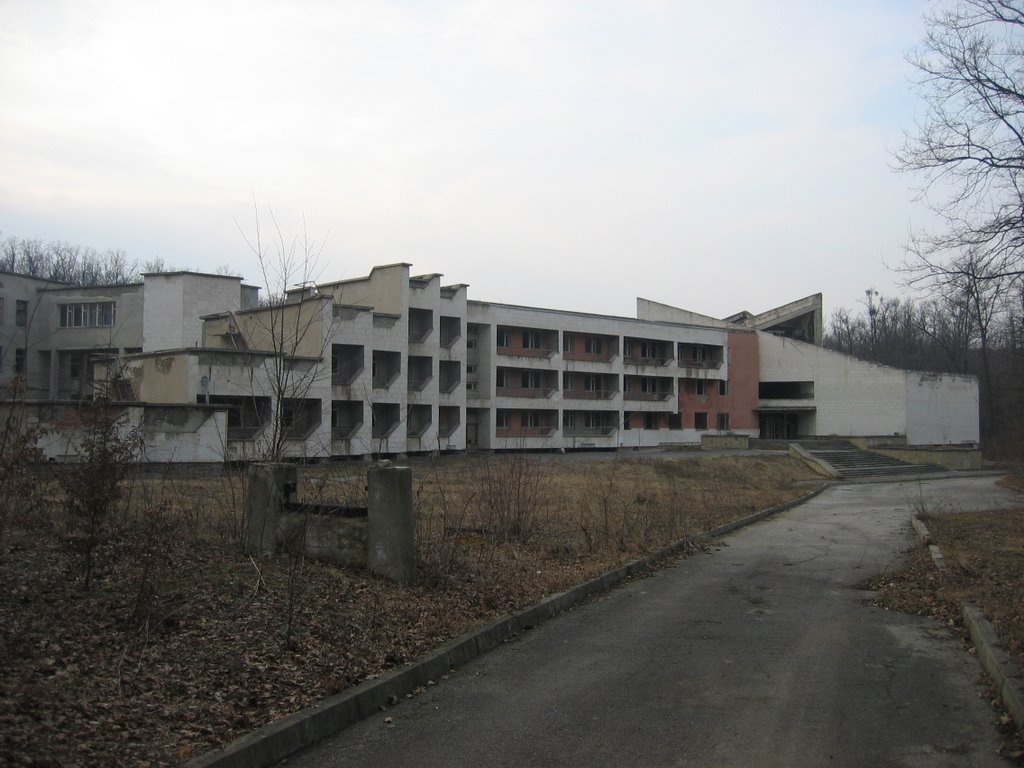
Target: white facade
(392, 363)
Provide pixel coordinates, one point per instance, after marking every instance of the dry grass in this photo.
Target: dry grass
(180, 643)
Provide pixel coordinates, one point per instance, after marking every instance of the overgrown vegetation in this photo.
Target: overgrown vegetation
(183, 642)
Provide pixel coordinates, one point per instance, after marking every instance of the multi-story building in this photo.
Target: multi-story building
(392, 363)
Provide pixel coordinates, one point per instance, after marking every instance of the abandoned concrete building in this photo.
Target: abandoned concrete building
(392, 363)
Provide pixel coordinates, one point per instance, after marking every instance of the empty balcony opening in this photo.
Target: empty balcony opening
(421, 372)
(421, 324)
(521, 382)
(386, 417)
(511, 422)
(450, 376)
(474, 332)
(526, 342)
(418, 420)
(648, 388)
(449, 419)
(347, 362)
(647, 351)
(346, 418)
(585, 346)
(386, 368)
(300, 417)
(589, 386)
(451, 330)
(588, 423)
(246, 415)
(785, 390)
(700, 355)
(646, 420)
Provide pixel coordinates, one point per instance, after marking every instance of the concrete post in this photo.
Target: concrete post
(269, 487)
(391, 549)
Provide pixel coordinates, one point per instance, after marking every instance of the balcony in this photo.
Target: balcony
(451, 331)
(451, 376)
(420, 374)
(526, 342)
(647, 352)
(421, 325)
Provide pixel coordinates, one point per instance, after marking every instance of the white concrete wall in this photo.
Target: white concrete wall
(852, 397)
(942, 409)
(175, 302)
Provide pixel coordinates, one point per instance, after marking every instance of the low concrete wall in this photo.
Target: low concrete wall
(381, 536)
(950, 457)
(721, 442)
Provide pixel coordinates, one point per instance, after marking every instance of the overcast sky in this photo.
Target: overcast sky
(714, 156)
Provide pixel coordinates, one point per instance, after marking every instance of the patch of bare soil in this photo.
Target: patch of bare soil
(984, 555)
(182, 642)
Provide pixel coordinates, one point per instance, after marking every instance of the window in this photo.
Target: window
(723, 422)
(649, 385)
(723, 388)
(700, 420)
(593, 345)
(648, 349)
(700, 387)
(593, 420)
(531, 340)
(470, 369)
(472, 385)
(503, 338)
(96, 314)
(20, 312)
(471, 343)
(592, 383)
(566, 380)
(501, 378)
(700, 354)
(19, 360)
(75, 366)
(503, 420)
(568, 342)
(531, 419)
(650, 421)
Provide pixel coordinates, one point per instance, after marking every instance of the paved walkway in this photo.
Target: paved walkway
(762, 653)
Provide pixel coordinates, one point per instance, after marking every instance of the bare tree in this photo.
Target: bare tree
(291, 329)
(969, 146)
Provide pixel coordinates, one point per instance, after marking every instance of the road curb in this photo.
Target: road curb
(994, 660)
(275, 741)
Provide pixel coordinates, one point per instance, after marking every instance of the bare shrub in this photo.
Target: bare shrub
(19, 490)
(441, 525)
(109, 448)
(513, 495)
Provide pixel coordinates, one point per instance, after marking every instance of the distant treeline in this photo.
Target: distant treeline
(71, 264)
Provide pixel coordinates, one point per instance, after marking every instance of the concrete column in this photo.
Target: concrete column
(391, 550)
(269, 487)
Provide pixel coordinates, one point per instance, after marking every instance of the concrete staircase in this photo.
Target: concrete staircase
(851, 462)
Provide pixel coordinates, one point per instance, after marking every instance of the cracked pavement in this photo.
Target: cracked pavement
(760, 652)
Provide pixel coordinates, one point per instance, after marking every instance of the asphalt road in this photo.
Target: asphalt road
(760, 653)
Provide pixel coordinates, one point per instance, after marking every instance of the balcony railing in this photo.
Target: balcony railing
(588, 431)
(643, 360)
(535, 392)
(524, 432)
(648, 395)
(446, 387)
(701, 364)
(526, 351)
(589, 394)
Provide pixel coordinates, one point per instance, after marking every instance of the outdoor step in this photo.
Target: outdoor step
(849, 461)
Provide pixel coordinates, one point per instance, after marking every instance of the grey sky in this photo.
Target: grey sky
(571, 154)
